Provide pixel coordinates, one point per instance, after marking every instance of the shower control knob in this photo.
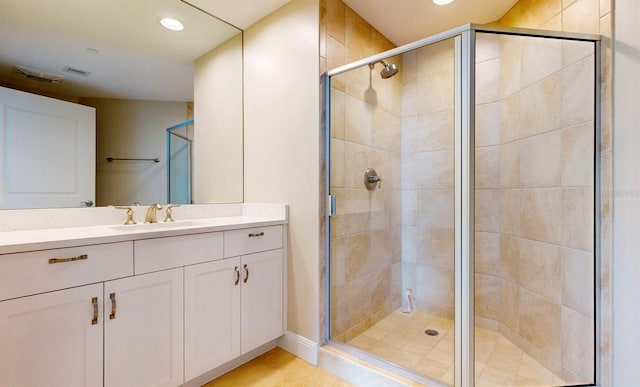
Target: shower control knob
(371, 179)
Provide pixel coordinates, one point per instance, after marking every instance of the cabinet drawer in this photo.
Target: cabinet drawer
(22, 274)
(166, 253)
(252, 240)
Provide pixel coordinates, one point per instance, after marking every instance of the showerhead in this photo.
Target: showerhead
(388, 71)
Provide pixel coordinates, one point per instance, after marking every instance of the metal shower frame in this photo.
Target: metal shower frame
(464, 158)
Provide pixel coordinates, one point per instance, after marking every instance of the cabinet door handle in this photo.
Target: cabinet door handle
(72, 259)
(246, 271)
(94, 302)
(112, 296)
(237, 270)
(258, 234)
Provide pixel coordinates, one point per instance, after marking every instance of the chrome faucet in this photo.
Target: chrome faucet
(151, 213)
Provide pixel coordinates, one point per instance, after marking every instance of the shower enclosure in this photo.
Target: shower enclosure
(179, 161)
(463, 236)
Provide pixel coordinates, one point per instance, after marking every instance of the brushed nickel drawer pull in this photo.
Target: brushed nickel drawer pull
(237, 270)
(94, 302)
(112, 296)
(246, 270)
(259, 234)
(63, 260)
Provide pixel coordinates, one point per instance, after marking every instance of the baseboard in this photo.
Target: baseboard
(300, 346)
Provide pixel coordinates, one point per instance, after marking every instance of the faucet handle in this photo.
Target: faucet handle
(129, 214)
(168, 217)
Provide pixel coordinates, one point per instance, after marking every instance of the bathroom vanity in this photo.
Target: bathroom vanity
(141, 305)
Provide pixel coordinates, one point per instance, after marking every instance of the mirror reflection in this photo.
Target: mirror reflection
(102, 104)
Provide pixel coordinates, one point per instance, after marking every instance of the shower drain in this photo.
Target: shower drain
(431, 332)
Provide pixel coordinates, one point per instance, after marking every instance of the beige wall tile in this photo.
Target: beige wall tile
(577, 218)
(487, 249)
(511, 122)
(510, 165)
(578, 344)
(357, 34)
(488, 81)
(409, 207)
(338, 261)
(357, 256)
(510, 65)
(541, 269)
(335, 19)
(435, 170)
(574, 51)
(577, 92)
(436, 131)
(540, 58)
(540, 160)
(435, 93)
(577, 281)
(541, 214)
(410, 99)
(487, 296)
(358, 120)
(386, 129)
(435, 247)
(435, 208)
(509, 258)
(488, 124)
(487, 47)
(487, 165)
(337, 113)
(510, 211)
(538, 12)
(488, 210)
(409, 171)
(434, 287)
(578, 155)
(337, 163)
(582, 16)
(356, 160)
(543, 333)
(335, 52)
(540, 108)
(409, 66)
(509, 305)
(409, 244)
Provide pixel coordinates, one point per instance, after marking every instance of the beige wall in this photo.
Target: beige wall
(132, 129)
(282, 143)
(218, 153)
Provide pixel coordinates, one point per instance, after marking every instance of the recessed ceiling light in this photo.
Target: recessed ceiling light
(442, 2)
(172, 24)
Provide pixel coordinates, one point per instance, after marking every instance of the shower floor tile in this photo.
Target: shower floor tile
(401, 339)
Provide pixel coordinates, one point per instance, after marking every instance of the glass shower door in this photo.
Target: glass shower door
(179, 159)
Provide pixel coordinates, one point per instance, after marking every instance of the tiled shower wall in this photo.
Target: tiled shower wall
(427, 177)
(587, 16)
(535, 198)
(366, 125)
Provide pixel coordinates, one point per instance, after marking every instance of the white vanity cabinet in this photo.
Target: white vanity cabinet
(52, 339)
(143, 330)
(150, 311)
(232, 306)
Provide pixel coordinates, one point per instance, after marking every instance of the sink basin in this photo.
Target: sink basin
(158, 226)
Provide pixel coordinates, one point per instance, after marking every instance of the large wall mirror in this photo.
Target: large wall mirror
(101, 104)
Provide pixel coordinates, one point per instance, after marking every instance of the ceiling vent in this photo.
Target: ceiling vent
(74, 71)
(37, 75)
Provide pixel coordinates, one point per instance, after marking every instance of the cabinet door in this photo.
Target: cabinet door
(52, 339)
(261, 299)
(212, 315)
(143, 333)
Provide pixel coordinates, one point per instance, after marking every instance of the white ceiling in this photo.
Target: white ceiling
(405, 21)
(137, 58)
(240, 13)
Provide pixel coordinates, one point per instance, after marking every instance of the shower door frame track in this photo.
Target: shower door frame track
(464, 208)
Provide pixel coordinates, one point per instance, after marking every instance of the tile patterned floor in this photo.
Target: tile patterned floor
(400, 339)
(277, 368)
